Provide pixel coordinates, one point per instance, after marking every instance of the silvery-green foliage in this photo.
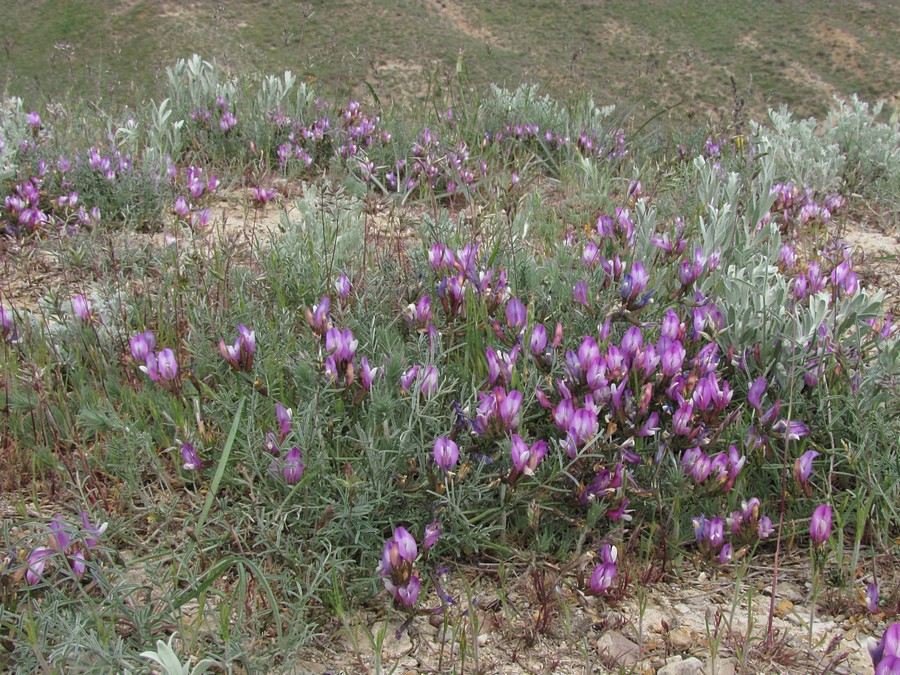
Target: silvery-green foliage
(501, 106)
(871, 149)
(751, 291)
(801, 153)
(164, 137)
(525, 105)
(586, 115)
(170, 664)
(645, 216)
(195, 83)
(326, 233)
(153, 143)
(13, 130)
(283, 94)
(852, 150)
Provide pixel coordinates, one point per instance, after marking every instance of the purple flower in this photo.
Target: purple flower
(671, 327)
(580, 293)
(94, 531)
(446, 454)
(342, 286)
(432, 534)
(803, 468)
(341, 344)
(538, 341)
(441, 258)
(886, 652)
(81, 308)
(317, 316)
(150, 367)
(681, 421)
(167, 365)
(725, 554)
(633, 284)
(240, 355)
(650, 426)
(366, 373)
(60, 532)
(889, 665)
(609, 554)
(283, 417)
(293, 466)
(142, 345)
(509, 409)
(409, 593)
(791, 429)
(181, 207)
(191, 458)
(525, 459)
(516, 314)
(872, 597)
(602, 578)
(37, 561)
(620, 512)
(671, 355)
(429, 384)
(563, 414)
(6, 323)
(200, 219)
(715, 533)
(78, 565)
(754, 395)
(590, 255)
(635, 188)
(262, 195)
(405, 544)
(765, 527)
(820, 525)
(34, 120)
(419, 313)
(584, 426)
(227, 122)
(407, 378)
(702, 467)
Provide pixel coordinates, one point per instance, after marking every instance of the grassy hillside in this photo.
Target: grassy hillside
(655, 53)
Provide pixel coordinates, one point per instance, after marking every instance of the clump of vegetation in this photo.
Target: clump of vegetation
(560, 348)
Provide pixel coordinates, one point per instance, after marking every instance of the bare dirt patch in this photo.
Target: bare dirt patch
(455, 14)
(695, 621)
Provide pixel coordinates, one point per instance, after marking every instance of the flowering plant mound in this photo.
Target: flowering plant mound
(573, 351)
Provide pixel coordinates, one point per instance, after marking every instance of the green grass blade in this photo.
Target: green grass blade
(223, 460)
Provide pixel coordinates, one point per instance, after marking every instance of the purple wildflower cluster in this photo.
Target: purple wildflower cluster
(743, 526)
(838, 278)
(29, 206)
(289, 465)
(796, 208)
(460, 272)
(240, 354)
(189, 207)
(767, 425)
(397, 568)
(447, 169)
(67, 542)
(515, 136)
(353, 136)
(158, 366)
(340, 364)
(220, 116)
